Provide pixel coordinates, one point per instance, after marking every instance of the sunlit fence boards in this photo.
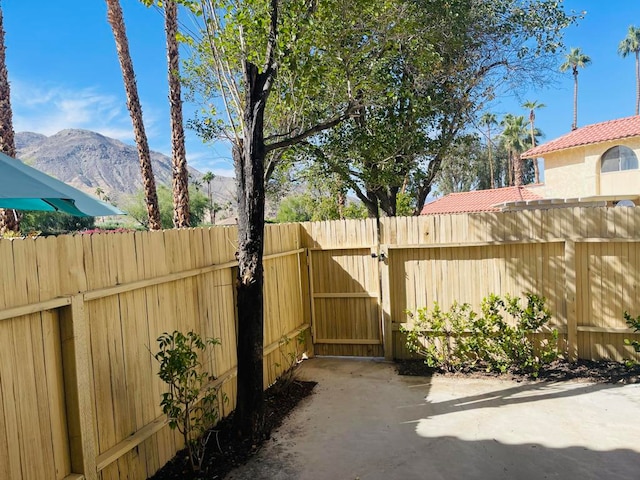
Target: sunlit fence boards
(584, 261)
(79, 318)
(79, 315)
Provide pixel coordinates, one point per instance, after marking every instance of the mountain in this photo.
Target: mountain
(88, 160)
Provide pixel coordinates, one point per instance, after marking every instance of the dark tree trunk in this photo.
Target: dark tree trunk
(249, 158)
(372, 204)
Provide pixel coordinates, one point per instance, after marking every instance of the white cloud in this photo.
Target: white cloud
(203, 161)
(48, 109)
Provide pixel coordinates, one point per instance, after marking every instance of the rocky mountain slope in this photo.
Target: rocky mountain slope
(88, 160)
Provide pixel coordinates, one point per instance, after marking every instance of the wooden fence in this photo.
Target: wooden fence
(79, 315)
(585, 261)
(79, 318)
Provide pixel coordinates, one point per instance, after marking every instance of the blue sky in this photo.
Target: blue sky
(64, 73)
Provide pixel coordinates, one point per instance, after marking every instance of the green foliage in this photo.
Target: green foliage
(404, 205)
(463, 339)
(443, 61)
(296, 208)
(53, 223)
(633, 322)
(306, 208)
(191, 404)
(198, 204)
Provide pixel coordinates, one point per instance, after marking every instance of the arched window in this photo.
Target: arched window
(618, 158)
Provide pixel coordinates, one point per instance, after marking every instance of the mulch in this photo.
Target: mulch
(560, 370)
(280, 400)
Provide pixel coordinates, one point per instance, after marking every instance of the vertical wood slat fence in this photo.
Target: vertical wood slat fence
(79, 318)
(79, 397)
(585, 261)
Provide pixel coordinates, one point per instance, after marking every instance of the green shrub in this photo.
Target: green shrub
(635, 324)
(463, 339)
(192, 403)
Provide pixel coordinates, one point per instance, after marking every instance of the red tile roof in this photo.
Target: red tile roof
(596, 133)
(478, 200)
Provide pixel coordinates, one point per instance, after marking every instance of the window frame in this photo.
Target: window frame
(620, 159)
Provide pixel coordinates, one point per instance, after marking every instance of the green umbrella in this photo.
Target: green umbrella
(25, 188)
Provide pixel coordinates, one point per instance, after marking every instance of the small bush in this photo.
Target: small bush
(634, 323)
(291, 360)
(191, 404)
(463, 339)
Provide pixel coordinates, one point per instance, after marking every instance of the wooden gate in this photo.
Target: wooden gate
(345, 299)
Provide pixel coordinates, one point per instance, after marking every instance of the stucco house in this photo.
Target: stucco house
(595, 165)
(599, 160)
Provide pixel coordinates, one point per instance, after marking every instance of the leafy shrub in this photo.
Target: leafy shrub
(635, 324)
(463, 339)
(192, 403)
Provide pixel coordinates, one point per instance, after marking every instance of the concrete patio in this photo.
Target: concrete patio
(366, 422)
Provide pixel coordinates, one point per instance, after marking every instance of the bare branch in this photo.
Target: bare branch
(349, 112)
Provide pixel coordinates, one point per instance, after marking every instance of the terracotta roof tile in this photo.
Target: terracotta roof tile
(478, 200)
(596, 133)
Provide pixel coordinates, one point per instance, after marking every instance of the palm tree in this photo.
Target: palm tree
(9, 219)
(179, 156)
(532, 105)
(208, 178)
(489, 120)
(573, 60)
(114, 15)
(513, 135)
(631, 44)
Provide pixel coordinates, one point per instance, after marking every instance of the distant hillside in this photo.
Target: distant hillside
(88, 160)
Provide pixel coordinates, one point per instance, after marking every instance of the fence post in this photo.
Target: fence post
(385, 302)
(570, 299)
(76, 361)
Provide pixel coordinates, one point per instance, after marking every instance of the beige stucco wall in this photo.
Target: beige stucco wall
(576, 172)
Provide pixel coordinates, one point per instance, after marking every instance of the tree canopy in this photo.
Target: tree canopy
(418, 93)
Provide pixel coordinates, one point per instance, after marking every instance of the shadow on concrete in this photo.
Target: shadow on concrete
(523, 393)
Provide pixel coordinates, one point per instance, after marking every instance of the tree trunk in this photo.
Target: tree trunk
(116, 20)
(510, 168)
(373, 210)
(180, 178)
(575, 99)
(637, 82)
(536, 169)
(9, 219)
(517, 170)
(249, 158)
(492, 181)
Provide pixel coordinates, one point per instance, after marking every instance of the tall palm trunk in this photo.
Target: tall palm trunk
(9, 219)
(575, 99)
(491, 172)
(637, 82)
(116, 20)
(517, 170)
(510, 168)
(178, 154)
(536, 169)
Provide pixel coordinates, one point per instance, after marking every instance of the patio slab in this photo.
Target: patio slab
(366, 422)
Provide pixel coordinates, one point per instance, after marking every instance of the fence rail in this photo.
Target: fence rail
(79, 393)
